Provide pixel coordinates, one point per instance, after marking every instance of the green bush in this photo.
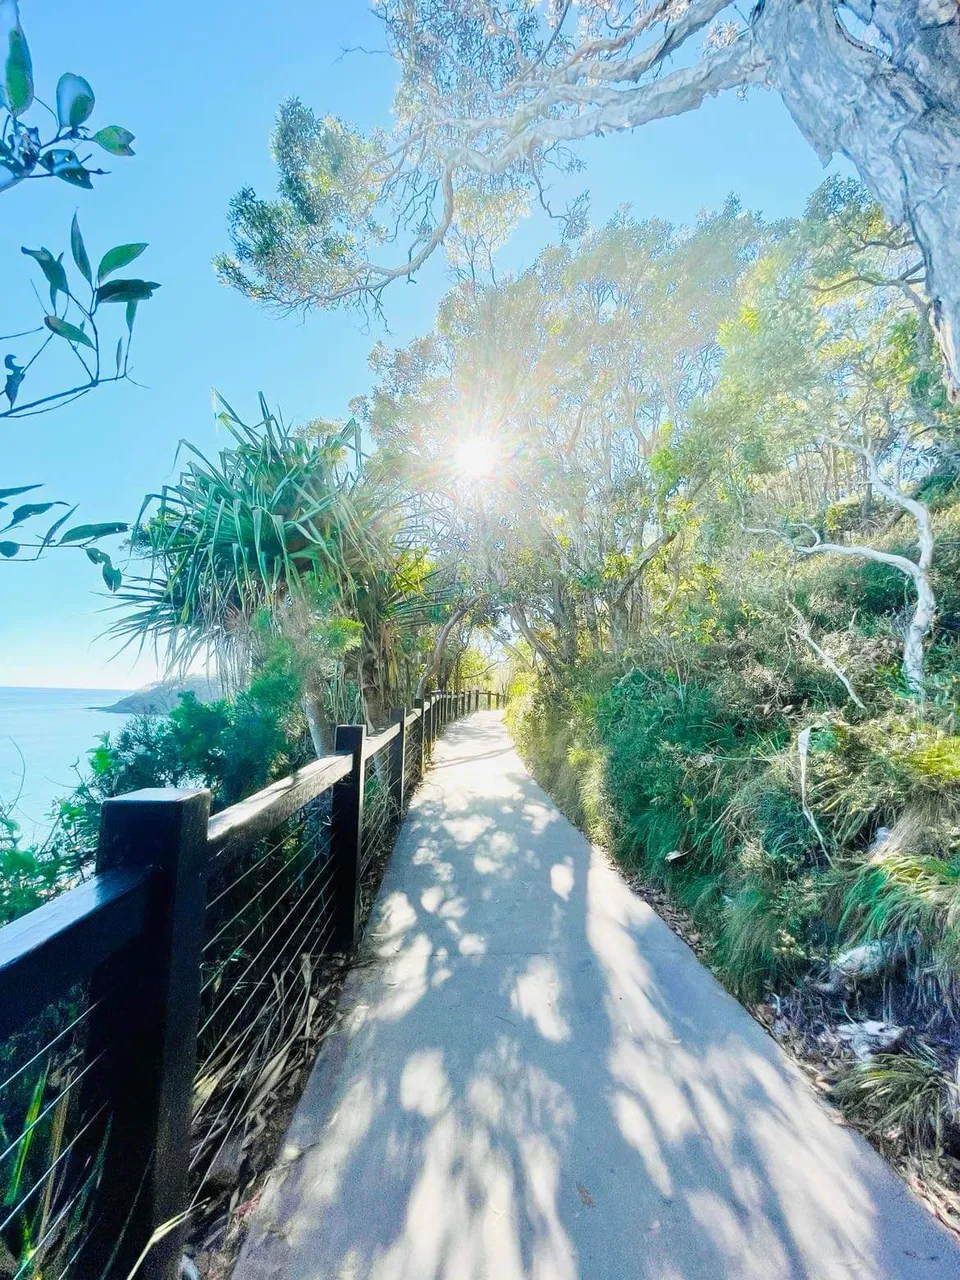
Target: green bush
(685, 763)
(234, 747)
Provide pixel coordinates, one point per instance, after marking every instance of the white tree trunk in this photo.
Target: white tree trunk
(918, 630)
(918, 571)
(888, 98)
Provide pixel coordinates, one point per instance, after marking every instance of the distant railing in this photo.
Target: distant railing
(150, 1013)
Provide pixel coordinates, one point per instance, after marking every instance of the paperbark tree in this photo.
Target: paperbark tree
(492, 94)
(918, 571)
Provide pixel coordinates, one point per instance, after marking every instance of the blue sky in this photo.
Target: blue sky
(199, 83)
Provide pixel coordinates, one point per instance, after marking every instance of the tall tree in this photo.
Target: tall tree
(539, 432)
(492, 94)
(831, 440)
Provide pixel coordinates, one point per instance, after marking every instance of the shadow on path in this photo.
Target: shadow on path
(536, 1078)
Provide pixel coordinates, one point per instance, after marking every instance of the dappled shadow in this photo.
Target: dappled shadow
(536, 1078)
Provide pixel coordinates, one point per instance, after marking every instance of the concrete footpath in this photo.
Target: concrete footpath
(536, 1078)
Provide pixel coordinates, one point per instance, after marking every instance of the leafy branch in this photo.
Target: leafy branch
(73, 319)
(25, 153)
(80, 537)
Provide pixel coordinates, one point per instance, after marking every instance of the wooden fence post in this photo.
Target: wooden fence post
(147, 1002)
(346, 822)
(419, 705)
(398, 758)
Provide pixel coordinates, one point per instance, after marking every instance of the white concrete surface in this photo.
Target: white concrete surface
(536, 1078)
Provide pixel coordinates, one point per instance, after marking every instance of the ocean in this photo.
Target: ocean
(44, 735)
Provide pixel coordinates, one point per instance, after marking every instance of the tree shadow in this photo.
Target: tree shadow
(536, 1078)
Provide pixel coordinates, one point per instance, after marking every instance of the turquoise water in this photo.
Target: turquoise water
(44, 735)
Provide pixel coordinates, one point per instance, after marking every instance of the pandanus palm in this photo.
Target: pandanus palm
(277, 517)
(398, 607)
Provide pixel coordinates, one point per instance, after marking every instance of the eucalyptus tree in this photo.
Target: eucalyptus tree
(492, 94)
(537, 429)
(823, 401)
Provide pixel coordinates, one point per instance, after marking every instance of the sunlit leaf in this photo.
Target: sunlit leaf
(120, 256)
(115, 140)
(17, 72)
(75, 100)
(79, 251)
(64, 329)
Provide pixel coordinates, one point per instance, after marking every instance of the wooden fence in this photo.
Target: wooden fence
(145, 1012)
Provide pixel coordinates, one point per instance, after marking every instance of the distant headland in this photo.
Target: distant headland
(159, 698)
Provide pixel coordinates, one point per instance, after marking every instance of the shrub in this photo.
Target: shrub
(900, 1095)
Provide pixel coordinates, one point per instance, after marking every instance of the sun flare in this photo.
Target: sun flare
(476, 457)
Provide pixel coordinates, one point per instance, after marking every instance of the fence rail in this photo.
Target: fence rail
(148, 1013)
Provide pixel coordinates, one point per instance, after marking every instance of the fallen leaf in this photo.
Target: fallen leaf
(585, 1196)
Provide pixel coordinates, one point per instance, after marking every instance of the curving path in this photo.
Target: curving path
(536, 1078)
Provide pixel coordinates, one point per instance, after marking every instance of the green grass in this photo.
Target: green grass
(902, 1096)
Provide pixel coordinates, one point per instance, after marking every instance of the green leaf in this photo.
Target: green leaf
(9, 549)
(15, 376)
(79, 251)
(120, 346)
(26, 511)
(75, 100)
(63, 163)
(64, 329)
(83, 532)
(12, 493)
(115, 140)
(111, 575)
(17, 73)
(119, 256)
(52, 268)
(131, 316)
(126, 290)
(51, 533)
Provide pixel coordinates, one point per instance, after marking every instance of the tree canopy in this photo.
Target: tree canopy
(492, 95)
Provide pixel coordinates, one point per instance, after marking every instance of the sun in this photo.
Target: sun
(476, 457)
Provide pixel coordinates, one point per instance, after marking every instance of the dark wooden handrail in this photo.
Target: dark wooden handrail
(375, 745)
(233, 830)
(51, 949)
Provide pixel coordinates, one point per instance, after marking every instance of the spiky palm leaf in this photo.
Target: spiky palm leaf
(275, 513)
